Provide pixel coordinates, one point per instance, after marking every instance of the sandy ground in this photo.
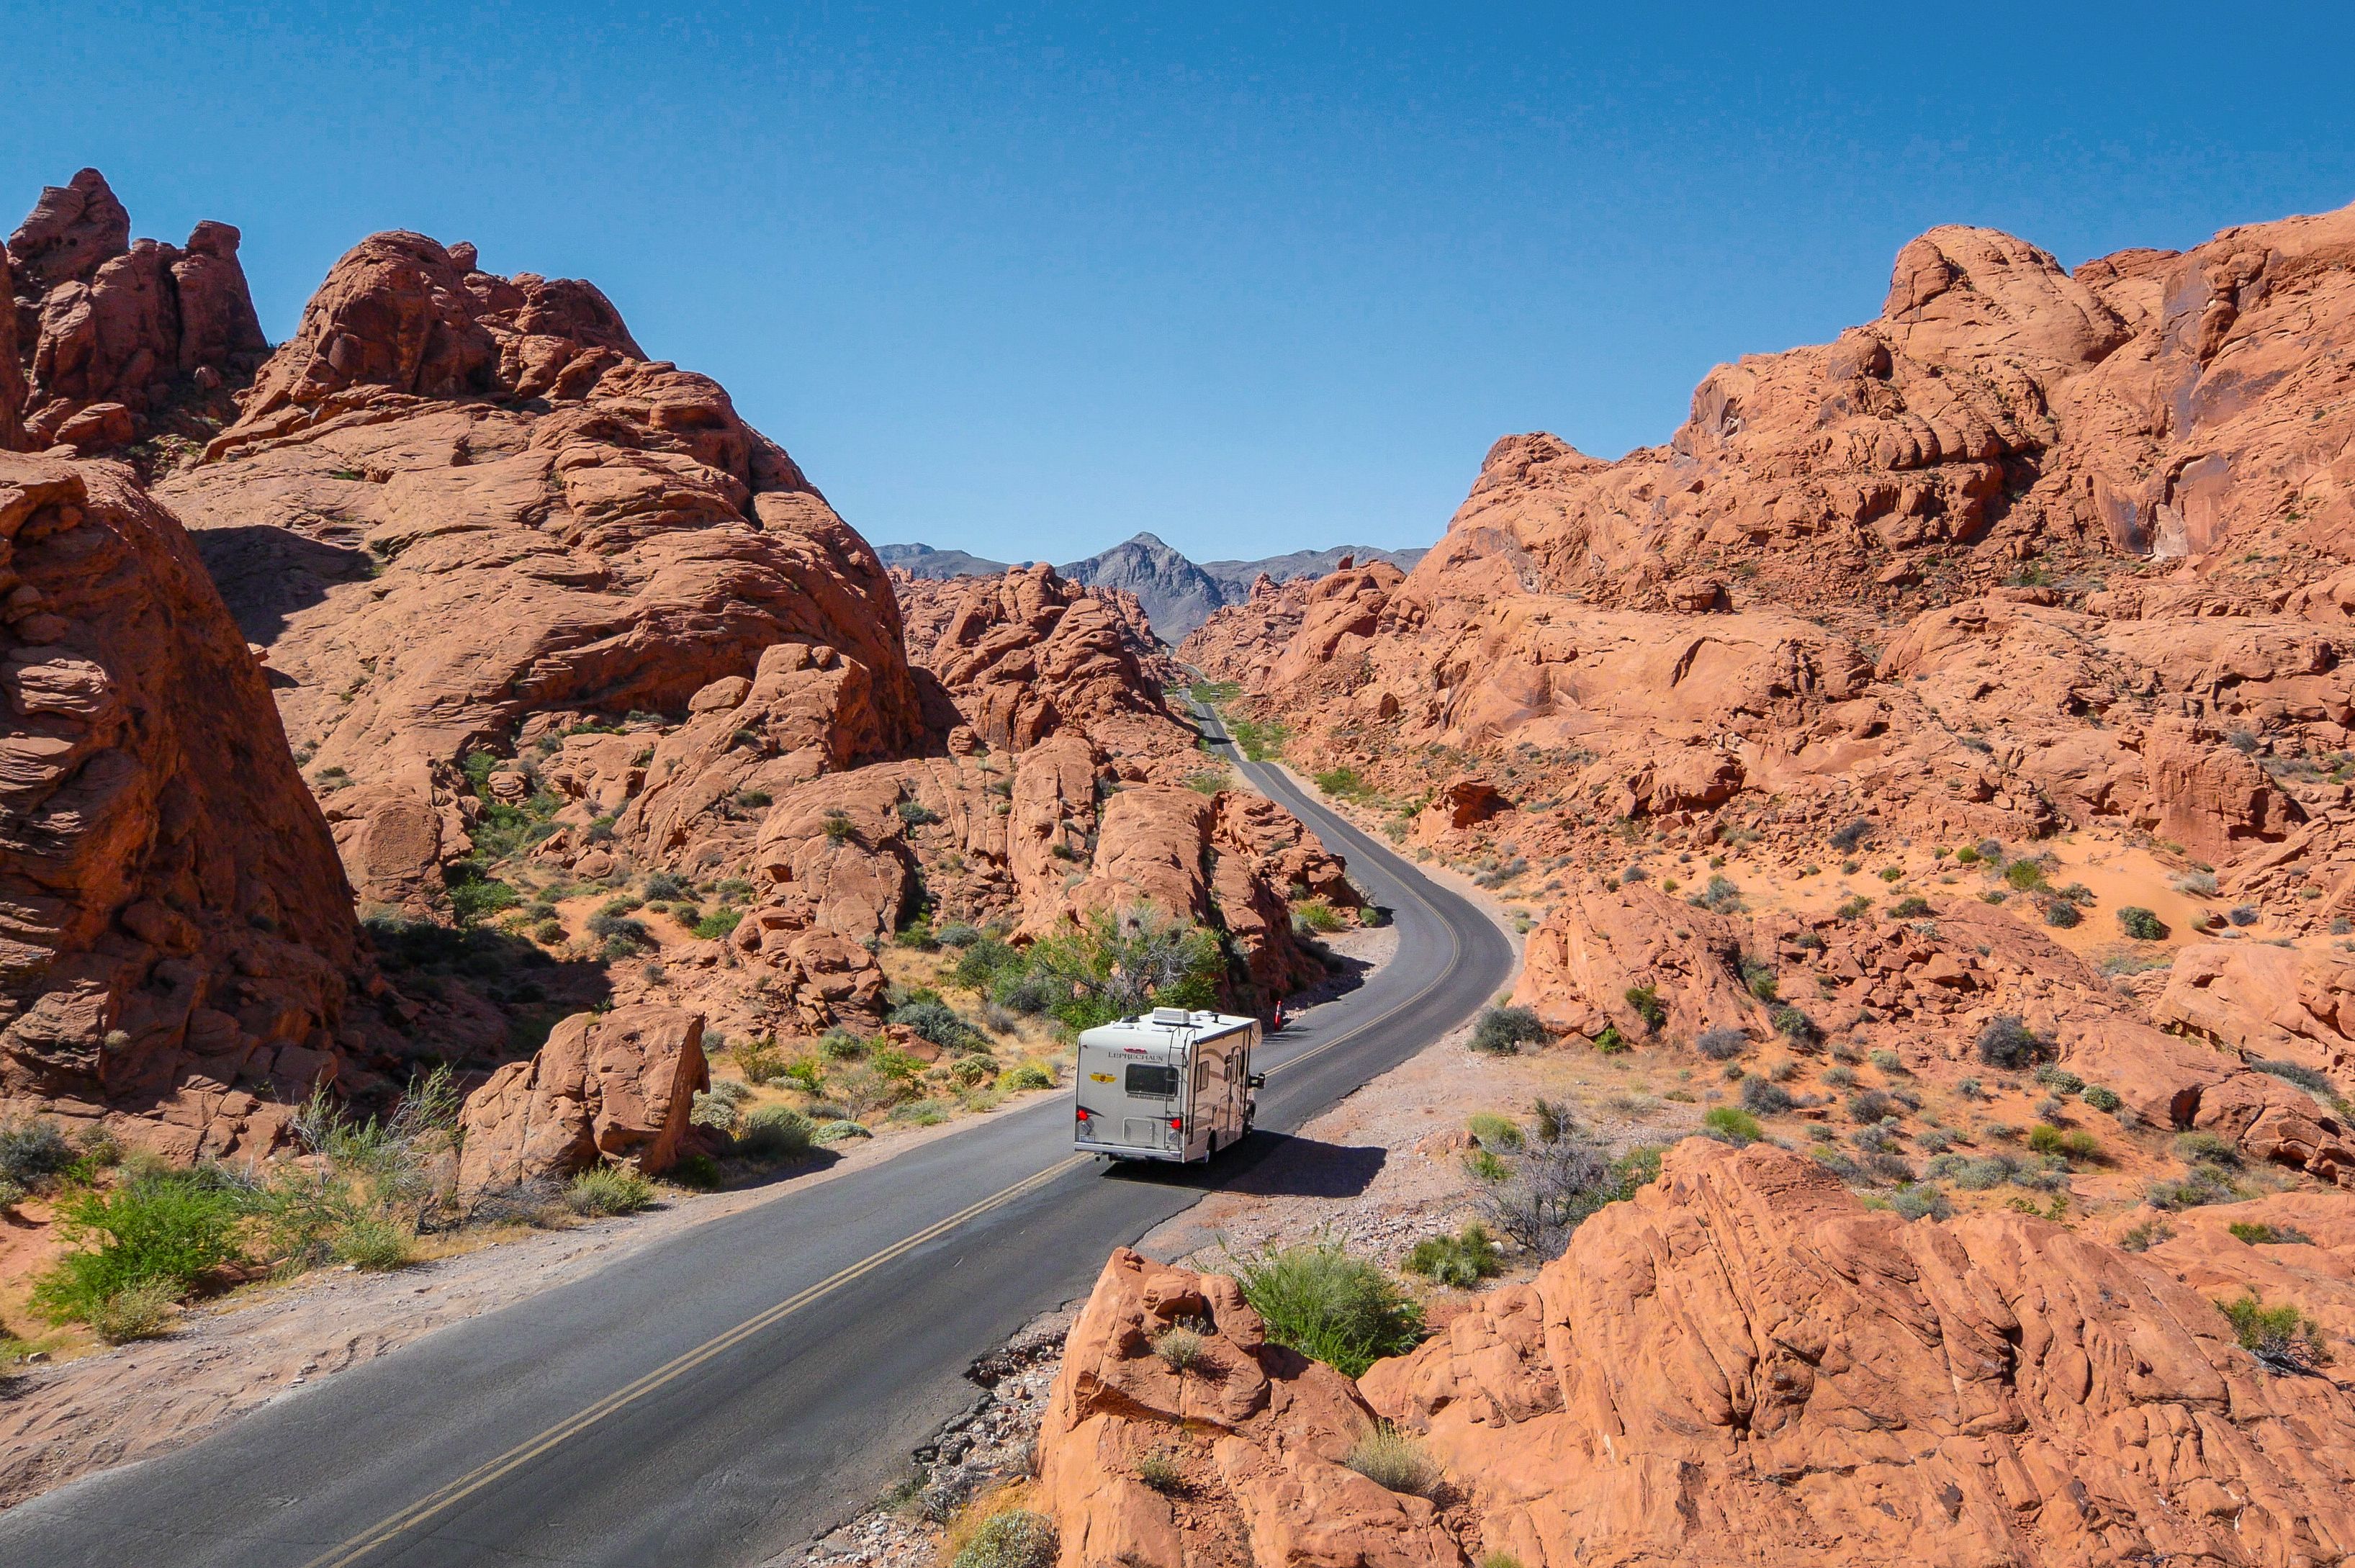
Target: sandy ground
(138, 1400)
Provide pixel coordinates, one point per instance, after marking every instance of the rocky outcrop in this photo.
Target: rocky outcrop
(1256, 1431)
(114, 340)
(605, 1086)
(1740, 1364)
(179, 936)
(464, 511)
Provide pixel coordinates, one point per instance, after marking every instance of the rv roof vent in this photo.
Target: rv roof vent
(1172, 1015)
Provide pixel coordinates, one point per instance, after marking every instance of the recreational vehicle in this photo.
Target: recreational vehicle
(1167, 1084)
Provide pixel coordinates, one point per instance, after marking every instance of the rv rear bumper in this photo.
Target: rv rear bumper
(1129, 1151)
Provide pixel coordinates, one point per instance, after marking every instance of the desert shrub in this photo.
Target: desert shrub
(959, 935)
(1493, 1131)
(1721, 1044)
(1028, 1076)
(1870, 1107)
(1913, 906)
(1935, 1140)
(1764, 1097)
(776, 1133)
(161, 1229)
(2143, 1237)
(1549, 1185)
(1025, 994)
(1329, 1307)
(2258, 1233)
(1394, 1461)
(2281, 1339)
(915, 814)
(1463, 1260)
(137, 1312)
(1853, 909)
(32, 1151)
(1839, 1076)
(1850, 837)
(2024, 875)
(2242, 914)
(609, 1190)
(760, 1060)
(1886, 1060)
(1646, 1001)
(2061, 912)
(1017, 1538)
(664, 885)
(2071, 1143)
(840, 1128)
(2200, 1147)
(2059, 1079)
(1182, 1348)
(1158, 1472)
(2305, 1077)
(374, 1244)
(1120, 964)
(2199, 884)
(720, 922)
(717, 1107)
(1315, 915)
(2101, 1098)
(1727, 1124)
(1723, 896)
(2141, 925)
(1921, 1202)
(935, 1020)
(1794, 1025)
(2200, 1185)
(1505, 1030)
(2007, 1041)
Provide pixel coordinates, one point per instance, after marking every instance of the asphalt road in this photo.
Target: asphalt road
(750, 1383)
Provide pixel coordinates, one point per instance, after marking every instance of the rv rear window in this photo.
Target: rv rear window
(1152, 1082)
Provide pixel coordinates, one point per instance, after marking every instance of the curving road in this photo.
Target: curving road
(747, 1384)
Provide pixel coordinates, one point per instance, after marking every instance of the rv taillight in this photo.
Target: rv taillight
(1177, 1124)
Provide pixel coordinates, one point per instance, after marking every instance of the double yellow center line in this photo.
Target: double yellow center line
(432, 1506)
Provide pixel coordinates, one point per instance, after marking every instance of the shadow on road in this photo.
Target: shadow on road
(1268, 1165)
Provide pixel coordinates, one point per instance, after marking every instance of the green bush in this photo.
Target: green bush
(2200, 1146)
(1330, 1307)
(2061, 913)
(2141, 925)
(2200, 1185)
(1117, 966)
(135, 1312)
(1028, 1076)
(1342, 782)
(32, 1151)
(717, 924)
(776, 1133)
(2072, 1143)
(2024, 875)
(1764, 1097)
(915, 814)
(1853, 909)
(609, 1190)
(1504, 1031)
(1493, 1131)
(1159, 1472)
(1014, 1538)
(1721, 1044)
(374, 1243)
(1646, 1001)
(2101, 1098)
(1911, 906)
(1394, 1461)
(2283, 1339)
(1463, 1260)
(1921, 1202)
(2007, 1041)
(1728, 1125)
(935, 1020)
(2258, 1233)
(162, 1229)
(1795, 1024)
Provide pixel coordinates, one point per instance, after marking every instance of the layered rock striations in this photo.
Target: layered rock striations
(179, 942)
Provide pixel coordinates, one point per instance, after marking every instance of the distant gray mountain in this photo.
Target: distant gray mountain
(924, 561)
(1178, 594)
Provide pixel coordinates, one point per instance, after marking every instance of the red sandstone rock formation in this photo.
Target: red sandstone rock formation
(1740, 1364)
(111, 338)
(617, 1085)
(179, 935)
(462, 511)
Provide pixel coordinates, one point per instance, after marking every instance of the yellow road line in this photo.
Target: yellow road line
(359, 1546)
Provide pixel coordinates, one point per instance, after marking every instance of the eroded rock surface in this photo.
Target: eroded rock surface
(605, 1086)
(179, 937)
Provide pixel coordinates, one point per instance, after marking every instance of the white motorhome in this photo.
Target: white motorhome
(1167, 1084)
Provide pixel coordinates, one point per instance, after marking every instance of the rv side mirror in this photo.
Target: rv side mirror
(1256, 1080)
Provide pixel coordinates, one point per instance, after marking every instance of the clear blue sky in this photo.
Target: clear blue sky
(1254, 278)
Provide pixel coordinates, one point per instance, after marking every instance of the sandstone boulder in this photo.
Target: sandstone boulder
(605, 1086)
